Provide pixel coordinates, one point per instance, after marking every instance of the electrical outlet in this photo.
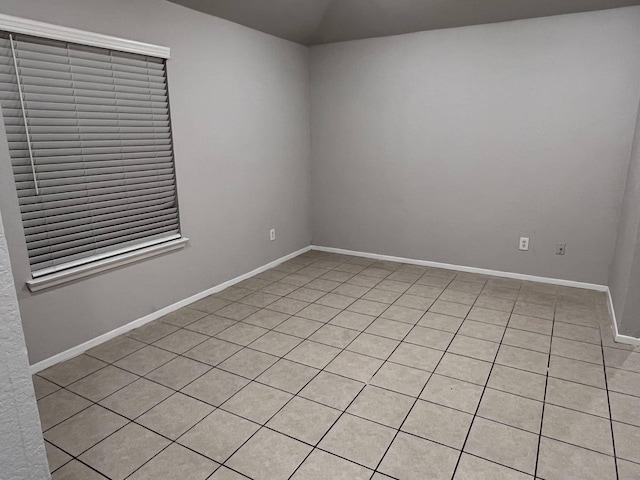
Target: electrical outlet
(561, 247)
(524, 243)
(272, 234)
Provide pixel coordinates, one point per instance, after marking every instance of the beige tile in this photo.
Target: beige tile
(586, 352)
(152, 332)
(355, 366)
(241, 333)
(145, 360)
(474, 348)
(481, 330)
(223, 473)
(215, 387)
(513, 410)
(577, 397)
(174, 416)
(59, 406)
(233, 293)
(43, 387)
(219, 435)
(115, 349)
(299, 327)
(440, 322)
(452, 393)
(450, 308)
(119, 455)
(527, 340)
(332, 390)
(439, 424)
(178, 373)
(259, 299)
(254, 283)
(577, 428)
(577, 371)
(306, 294)
(304, 420)
(403, 314)
(622, 381)
(55, 457)
(394, 285)
(426, 291)
(266, 319)
(528, 360)
(435, 280)
(628, 470)
(466, 298)
(287, 285)
(354, 291)
(389, 328)
(256, 402)
(623, 360)
(531, 324)
(184, 316)
(429, 337)
(353, 320)
(136, 398)
(416, 356)
(464, 368)
(469, 287)
(313, 354)
(358, 440)
(176, 462)
(488, 315)
(213, 351)
(561, 461)
(474, 468)
(237, 311)
(75, 470)
(334, 336)
(414, 301)
(268, 455)
(275, 343)
(84, 430)
(625, 408)
(102, 383)
(382, 296)
(510, 446)
(322, 465)
(376, 272)
(210, 304)
(322, 284)
(413, 458)
(288, 376)
(381, 406)
(248, 363)
(627, 439)
(335, 300)
(180, 341)
(512, 380)
(289, 306)
(70, 371)
(319, 313)
(494, 303)
(401, 379)
(577, 332)
(534, 310)
(373, 345)
(210, 325)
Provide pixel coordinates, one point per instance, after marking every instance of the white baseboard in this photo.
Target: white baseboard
(77, 350)
(618, 337)
(462, 268)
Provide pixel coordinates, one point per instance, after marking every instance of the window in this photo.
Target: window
(89, 136)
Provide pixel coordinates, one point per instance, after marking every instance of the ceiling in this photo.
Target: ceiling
(313, 22)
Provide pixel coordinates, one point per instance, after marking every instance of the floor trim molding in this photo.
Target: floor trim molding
(463, 268)
(83, 347)
(617, 336)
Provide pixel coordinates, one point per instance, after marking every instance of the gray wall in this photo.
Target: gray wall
(22, 454)
(624, 280)
(449, 145)
(239, 104)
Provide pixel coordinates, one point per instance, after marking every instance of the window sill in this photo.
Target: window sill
(92, 268)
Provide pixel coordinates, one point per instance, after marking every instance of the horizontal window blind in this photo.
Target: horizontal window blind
(89, 136)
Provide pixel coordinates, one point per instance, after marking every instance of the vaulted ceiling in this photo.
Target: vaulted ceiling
(312, 22)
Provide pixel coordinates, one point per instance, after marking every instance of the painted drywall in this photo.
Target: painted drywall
(239, 106)
(624, 280)
(22, 454)
(449, 145)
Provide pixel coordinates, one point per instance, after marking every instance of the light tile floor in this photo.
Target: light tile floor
(337, 367)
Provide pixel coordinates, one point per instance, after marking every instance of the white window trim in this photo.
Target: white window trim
(66, 34)
(114, 260)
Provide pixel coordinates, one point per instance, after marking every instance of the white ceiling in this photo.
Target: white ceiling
(312, 22)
